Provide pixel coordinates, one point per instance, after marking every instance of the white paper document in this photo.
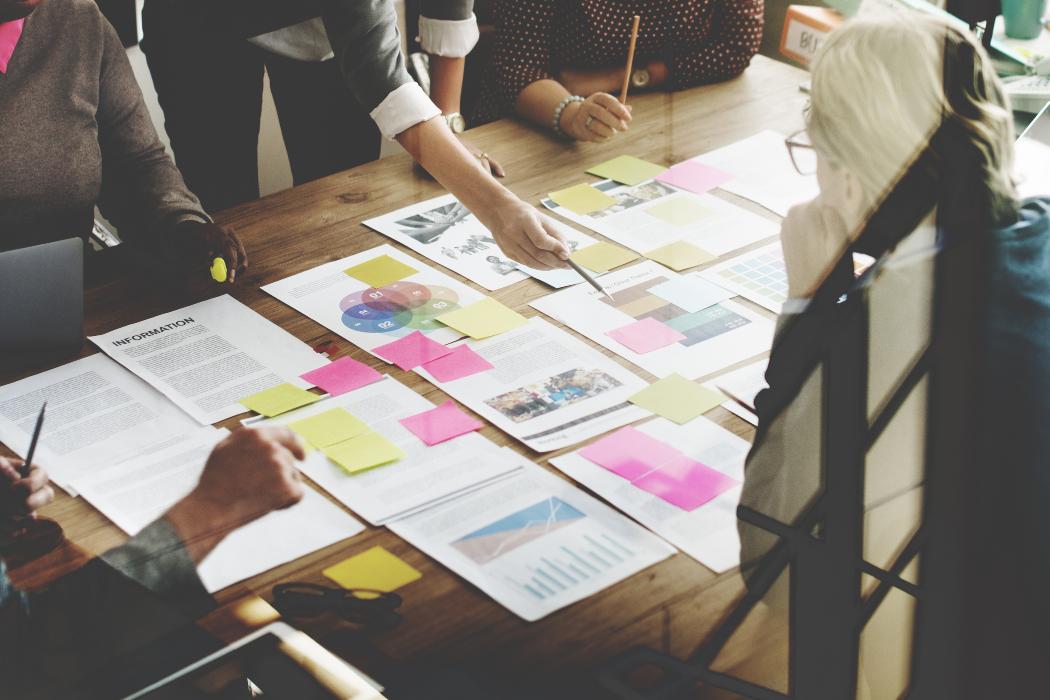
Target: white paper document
(654, 214)
(136, 491)
(424, 476)
(369, 317)
(708, 534)
(744, 384)
(447, 232)
(97, 413)
(546, 388)
(534, 543)
(208, 356)
(757, 275)
(714, 337)
(762, 172)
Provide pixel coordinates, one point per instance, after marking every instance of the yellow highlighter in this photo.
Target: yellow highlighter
(218, 270)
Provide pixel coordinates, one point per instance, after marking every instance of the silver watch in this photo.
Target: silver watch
(456, 122)
(640, 78)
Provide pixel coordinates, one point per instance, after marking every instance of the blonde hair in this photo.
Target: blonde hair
(882, 87)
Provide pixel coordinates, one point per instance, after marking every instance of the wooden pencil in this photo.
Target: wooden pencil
(630, 60)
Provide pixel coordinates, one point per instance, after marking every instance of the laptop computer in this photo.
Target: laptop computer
(42, 298)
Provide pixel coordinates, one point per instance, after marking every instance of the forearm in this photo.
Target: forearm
(446, 82)
(538, 101)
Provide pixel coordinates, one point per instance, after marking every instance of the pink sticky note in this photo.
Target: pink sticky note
(630, 453)
(341, 376)
(442, 423)
(645, 335)
(411, 351)
(685, 483)
(461, 362)
(695, 177)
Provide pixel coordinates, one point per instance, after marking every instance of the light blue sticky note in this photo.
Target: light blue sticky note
(691, 294)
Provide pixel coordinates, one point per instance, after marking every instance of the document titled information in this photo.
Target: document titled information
(208, 356)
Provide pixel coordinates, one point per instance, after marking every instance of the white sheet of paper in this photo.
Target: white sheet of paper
(426, 475)
(708, 534)
(744, 383)
(207, 356)
(546, 388)
(716, 337)
(762, 172)
(97, 412)
(691, 294)
(533, 542)
(723, 228)
(446, 232)
(370, 317)
(135, 492)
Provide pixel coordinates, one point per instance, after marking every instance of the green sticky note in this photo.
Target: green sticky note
(483, 319)
(676, 398)
(627, 170)
(678, 211)
(680, 255)
(602, 256)
(277, 400)
(582, 199)
(380, 271)
(374, 569)
(328, 428)
(363, 452)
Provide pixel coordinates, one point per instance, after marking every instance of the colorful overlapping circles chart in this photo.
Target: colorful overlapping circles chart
(401, 305)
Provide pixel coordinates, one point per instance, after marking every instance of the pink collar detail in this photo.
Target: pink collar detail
(10, 32)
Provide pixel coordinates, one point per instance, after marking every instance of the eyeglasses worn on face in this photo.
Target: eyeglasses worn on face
(803, 154)
(363, 606)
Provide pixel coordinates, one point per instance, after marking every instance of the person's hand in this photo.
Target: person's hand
(526, 236)
(487, 162)
(598, 118)
(814, 236)
(198, 244)
(249, 474)
(21, 496)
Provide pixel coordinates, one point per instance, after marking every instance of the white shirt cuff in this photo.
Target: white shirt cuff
(403, 108)
(451, 38)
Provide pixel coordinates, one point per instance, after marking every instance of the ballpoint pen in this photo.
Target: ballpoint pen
(32, 443)
(590, 280)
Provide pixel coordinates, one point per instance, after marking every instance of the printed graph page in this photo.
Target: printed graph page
(97, 412)
(208, 356)
(533, 542)
(654, 214)
(708, 534)
(424, 476)
(446, 232)
(135, 492)
(546, 389)
(714, 337)
(372, 316)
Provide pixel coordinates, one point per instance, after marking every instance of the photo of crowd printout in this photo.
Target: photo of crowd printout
(532, 400)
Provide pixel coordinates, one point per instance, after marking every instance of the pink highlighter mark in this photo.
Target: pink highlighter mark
(461, 362)
(629, 453)
(695, 177)
(440, 424)
(646, 335)
(342, 375)
(685, 483)
(411, 351)
(10, 33)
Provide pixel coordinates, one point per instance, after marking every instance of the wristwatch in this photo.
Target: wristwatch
(456, 122)
(640, 78)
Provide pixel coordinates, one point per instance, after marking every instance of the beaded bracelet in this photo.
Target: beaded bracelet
(556, 122)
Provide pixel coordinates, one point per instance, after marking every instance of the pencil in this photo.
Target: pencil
(590, 280)
(32, 443)
(630, 60)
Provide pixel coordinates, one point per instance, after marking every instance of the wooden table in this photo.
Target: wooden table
(670, 606)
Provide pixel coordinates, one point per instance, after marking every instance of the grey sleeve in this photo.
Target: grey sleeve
(447, 9)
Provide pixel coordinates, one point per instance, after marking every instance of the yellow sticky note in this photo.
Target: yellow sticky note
(676, 398)
(483, 319)
(375, 569)
(329, 428)
(680, 255)
(380, 271)
(363, 452)
(602, 256)
(277, 400)
(627, 170)
(678, 211)
(582, 199)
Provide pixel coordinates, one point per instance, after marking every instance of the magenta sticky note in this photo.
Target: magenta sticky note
(461, 362)
(442, 423)
(411, 351)
(342, 376)
(685, 483)
(630, 453)
(645, 335)
(693, 176)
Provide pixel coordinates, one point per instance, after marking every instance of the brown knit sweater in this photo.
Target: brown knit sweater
(74, 132)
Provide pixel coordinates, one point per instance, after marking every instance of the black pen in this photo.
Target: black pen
(32, 443)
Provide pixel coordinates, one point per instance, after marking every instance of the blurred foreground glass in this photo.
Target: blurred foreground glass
(365, 607)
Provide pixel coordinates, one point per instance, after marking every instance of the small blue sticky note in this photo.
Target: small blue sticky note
(691, 294)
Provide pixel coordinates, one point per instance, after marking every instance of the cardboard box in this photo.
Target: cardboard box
(805, 28)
